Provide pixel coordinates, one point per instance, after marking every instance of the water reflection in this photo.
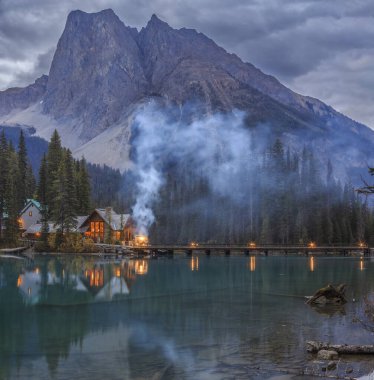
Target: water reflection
(194, 263)
(311, 263)
(99, 281)
(252, 263)
(164, 320)
(140, 266)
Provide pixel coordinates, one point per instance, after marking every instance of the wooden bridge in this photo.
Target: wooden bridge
(112, 250)
(265, 250)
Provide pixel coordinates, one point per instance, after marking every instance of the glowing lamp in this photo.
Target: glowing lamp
(141, 240)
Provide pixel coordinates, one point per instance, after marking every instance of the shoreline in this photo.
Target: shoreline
(30, 253)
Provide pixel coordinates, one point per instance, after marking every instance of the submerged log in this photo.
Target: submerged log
(312, 346)
(329, 295)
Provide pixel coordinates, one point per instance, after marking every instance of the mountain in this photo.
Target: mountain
(103, 71)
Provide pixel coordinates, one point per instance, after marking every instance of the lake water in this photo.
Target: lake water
(182, 318)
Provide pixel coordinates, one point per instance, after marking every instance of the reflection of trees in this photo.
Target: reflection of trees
(227, 307)
(59, 328)
(16, 320)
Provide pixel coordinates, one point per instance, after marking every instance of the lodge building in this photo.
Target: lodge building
(104, 223)
(101, 225)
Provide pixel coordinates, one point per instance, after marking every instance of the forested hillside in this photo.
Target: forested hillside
(286, 198)
(106, 183)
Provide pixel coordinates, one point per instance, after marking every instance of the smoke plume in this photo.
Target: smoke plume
(215, 148)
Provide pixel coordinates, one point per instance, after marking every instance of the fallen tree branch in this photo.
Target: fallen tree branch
(312, 346)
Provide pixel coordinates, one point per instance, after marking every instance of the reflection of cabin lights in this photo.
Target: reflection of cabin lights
(252, 244)
(361, 264)
(98, 277)
(29, 291)
(194, 244)
(141, 267)
(194, 263)
(19, 281)
(252, 263)
(311, 263)
(118, 272)
(37, 270)
(312, 244)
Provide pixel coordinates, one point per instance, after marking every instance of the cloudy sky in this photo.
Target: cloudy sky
(322, 48)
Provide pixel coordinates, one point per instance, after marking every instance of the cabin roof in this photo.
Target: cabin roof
(29, 203)
(37, 227)
(115, 219)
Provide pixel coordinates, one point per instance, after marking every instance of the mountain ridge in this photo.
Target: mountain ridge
(103, 70)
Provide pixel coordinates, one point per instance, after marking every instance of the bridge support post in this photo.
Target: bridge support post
(266, 252)
(246, 252)
(227, 252)
(189, 252)
(207, 252)
(170, 252)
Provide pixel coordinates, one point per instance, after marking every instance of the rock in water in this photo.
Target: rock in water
(327, 355)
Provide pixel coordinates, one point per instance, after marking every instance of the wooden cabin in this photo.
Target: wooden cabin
(30, 214)
(96, 225)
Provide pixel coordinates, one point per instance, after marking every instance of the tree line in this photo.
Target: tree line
(63, 187)
(283, 198)
(17, 183)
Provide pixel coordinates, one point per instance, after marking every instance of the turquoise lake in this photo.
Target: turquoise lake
(185, 317)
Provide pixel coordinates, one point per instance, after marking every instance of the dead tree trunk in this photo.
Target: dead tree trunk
(312, 346)
(329, 295)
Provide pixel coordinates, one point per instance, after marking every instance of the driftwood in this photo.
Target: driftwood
(312, 346)
(329, 295)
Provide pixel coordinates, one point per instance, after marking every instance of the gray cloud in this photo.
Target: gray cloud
(317, 47)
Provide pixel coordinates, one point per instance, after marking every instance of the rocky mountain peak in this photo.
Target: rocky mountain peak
(96, 53)
(103, 70)
(156, 23)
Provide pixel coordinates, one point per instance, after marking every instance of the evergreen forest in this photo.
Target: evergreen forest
(286, 198)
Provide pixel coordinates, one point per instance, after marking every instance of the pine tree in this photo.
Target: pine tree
(54, 160)
(11, 197)
(83, 189)
(71, 194)
(42, 198)
(22, 173)
(3, 177)
(30, 183)
(64, 202)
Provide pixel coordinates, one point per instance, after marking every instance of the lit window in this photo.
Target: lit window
(30, 213)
